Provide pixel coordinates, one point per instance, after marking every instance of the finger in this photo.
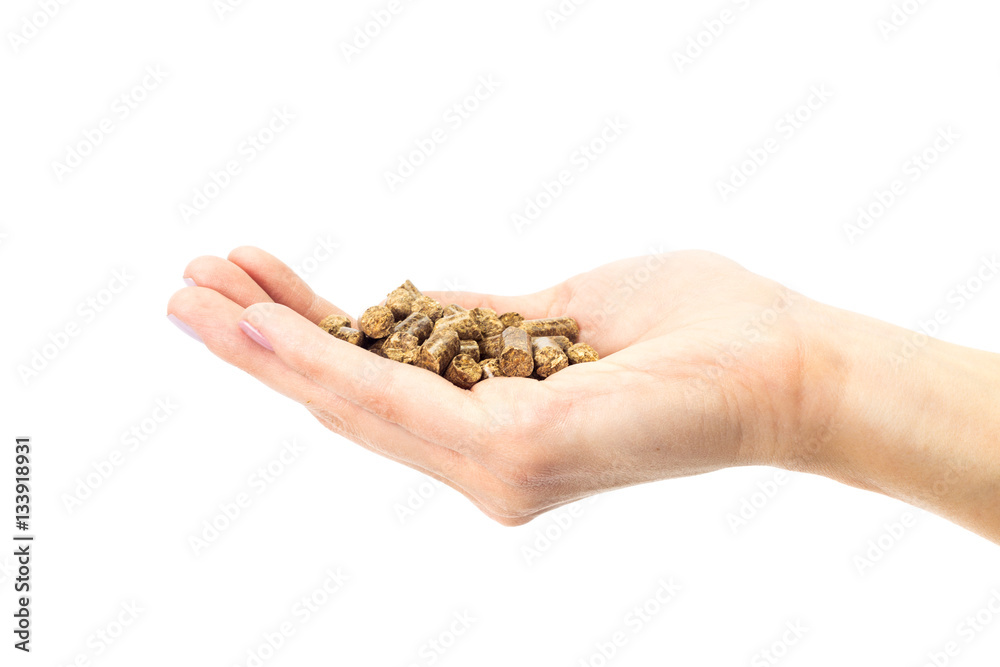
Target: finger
(403, 394)
(282, 284)
(227, 279)
(286, 287)
(214, 317)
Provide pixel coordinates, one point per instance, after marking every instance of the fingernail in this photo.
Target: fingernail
(255, 335)
(184, 327)
(189, 282)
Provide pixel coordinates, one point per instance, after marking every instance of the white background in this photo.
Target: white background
(449, 226)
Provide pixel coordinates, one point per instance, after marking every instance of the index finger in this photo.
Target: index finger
(282, 284)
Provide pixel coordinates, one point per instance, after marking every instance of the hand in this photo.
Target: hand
(704, 365)
(671, 395)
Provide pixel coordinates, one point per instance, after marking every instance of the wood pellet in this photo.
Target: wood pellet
(465, 346)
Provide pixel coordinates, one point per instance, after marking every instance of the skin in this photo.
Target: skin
(704, 365)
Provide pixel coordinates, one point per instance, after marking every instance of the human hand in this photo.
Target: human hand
(658, 404)
(704, 365)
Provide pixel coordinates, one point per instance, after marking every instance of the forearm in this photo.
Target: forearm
(918, 422)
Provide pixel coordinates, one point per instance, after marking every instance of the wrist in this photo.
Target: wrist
(817, 414)
(889, 410)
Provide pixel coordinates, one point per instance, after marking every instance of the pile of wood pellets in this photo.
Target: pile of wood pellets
(465, 346)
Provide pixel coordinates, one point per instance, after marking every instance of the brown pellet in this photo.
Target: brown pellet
(400, 302)
(438, 351)
(428, 306)
(515, 357)
(377, 322)
(487, 321)
(464, 371)
(462, 323)
(470, 348)
(549, 356)
(491, 368)
(510, 319)
(491, 347)
(411, 288)
(553, 326)
(464, 345)
(402, 347)
(352, 336)
(331, 323)
(416, 324)
(561, 341)
(581, 353)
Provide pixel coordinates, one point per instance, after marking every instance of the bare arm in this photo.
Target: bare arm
(704, 365)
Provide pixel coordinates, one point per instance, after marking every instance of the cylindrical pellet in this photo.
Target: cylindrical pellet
(581, 353)
(411, 288)
(428, 306)
(464, 345)
(553, 326)
(462, 323)
(352, 336)
(490, 348)
(401, 347)
(463, 371)
(561, 341)
(438, 351)
(549, 356)
(375, 346)
(491, 368)
(416, 324)
(331, 323)
(515, 357)
(377, 322)
(453, 309)
(400, 302)
(510, 319)
(470, 348)
(487, 321)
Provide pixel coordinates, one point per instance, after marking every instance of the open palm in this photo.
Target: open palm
(701, 369)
